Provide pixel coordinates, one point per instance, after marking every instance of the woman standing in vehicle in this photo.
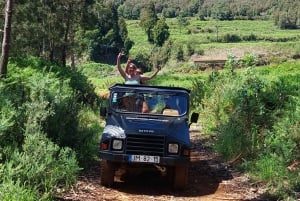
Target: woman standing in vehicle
(130, 74)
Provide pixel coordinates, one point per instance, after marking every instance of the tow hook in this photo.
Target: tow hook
(161, 169)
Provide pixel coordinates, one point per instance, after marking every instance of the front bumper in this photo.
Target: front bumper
(124, 158)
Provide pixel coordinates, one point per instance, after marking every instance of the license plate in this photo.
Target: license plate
(144, 159)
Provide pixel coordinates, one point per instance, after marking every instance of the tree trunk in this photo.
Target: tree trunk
(6, 38)
(66, 36)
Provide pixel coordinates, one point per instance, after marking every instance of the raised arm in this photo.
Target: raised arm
(146, 78)
(122, 72)
(127, 65)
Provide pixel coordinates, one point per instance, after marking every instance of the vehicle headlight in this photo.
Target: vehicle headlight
(117, 144)
(173, 148)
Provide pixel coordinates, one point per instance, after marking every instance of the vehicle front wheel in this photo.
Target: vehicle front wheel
(107, 173)
(180, 177)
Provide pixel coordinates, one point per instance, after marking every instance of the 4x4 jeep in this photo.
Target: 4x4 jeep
(146, 127)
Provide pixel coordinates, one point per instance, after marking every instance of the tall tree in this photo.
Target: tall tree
(161, 32)
(6, 38)
(111, 36)
(148, 20)
(50, 28)
(124, 35)
(287, 15)
(182, 21)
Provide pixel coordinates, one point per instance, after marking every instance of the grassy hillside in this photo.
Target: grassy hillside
(270, 43)
(203, 35)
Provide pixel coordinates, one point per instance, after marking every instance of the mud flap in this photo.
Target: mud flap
(107, 173)
(180, 177)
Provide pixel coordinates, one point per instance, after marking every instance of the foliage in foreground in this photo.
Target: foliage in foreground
(46, 122)
(255, 117)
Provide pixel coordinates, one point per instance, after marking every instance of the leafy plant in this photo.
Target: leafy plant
(41, 165)
(10, 190)
(249, 60)
(231, 64)
(40, 106)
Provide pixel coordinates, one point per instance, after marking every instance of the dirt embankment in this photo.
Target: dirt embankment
(209, 180)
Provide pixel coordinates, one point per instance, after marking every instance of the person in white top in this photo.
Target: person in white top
(130, 74)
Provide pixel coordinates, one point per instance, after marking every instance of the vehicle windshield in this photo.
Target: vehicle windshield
(171, 104)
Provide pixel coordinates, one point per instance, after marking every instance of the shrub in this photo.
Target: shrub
(190, 49)
(254, 114)
(180, 54)
(41, 165)
(90, 130)
(231, 64)
(200, 52)
(249, 60)
(7, 121)
(242, 107)
(197, 93)
(40, 104)
(231, 38)
(10, 191)
(251, 37)
(142, 60)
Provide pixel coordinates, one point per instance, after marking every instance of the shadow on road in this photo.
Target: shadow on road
(205, 175)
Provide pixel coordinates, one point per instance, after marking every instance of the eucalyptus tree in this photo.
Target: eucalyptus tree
(47, 28)
(129, 10)
(148, 20)
(111, 35)
(127, 43)
(182, 21)
(287, 14)
(160, 32)
(6, 38)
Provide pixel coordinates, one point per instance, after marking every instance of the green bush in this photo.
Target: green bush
(11, 191)
(284, 142)
(41, 165)
(251, 37)
(254, 114)
(249, 60)
(90, 131)
(231, 38)
(198, 91)
(246, 105)
(7, 121)
(43, 126)
(232, 140)
(54, 96)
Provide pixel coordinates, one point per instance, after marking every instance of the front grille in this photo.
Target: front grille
(145, 145)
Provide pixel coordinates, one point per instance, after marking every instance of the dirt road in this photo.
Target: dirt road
(209, 180)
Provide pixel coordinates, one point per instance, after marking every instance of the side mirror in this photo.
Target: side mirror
(194, 118)
(103, 111)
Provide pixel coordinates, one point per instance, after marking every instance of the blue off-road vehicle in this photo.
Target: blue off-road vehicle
(146, 127)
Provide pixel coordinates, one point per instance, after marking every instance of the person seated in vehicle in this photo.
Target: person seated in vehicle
(132, 103)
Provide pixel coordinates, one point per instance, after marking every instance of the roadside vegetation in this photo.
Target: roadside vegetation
(52, 87)
(48, 129)
(254, 117)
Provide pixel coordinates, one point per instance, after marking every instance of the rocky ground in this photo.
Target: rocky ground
(209, 179)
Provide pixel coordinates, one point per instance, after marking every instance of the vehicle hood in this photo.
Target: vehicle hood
(174, 127)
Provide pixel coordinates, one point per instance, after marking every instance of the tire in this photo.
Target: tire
(180, 177)
(107, 173)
